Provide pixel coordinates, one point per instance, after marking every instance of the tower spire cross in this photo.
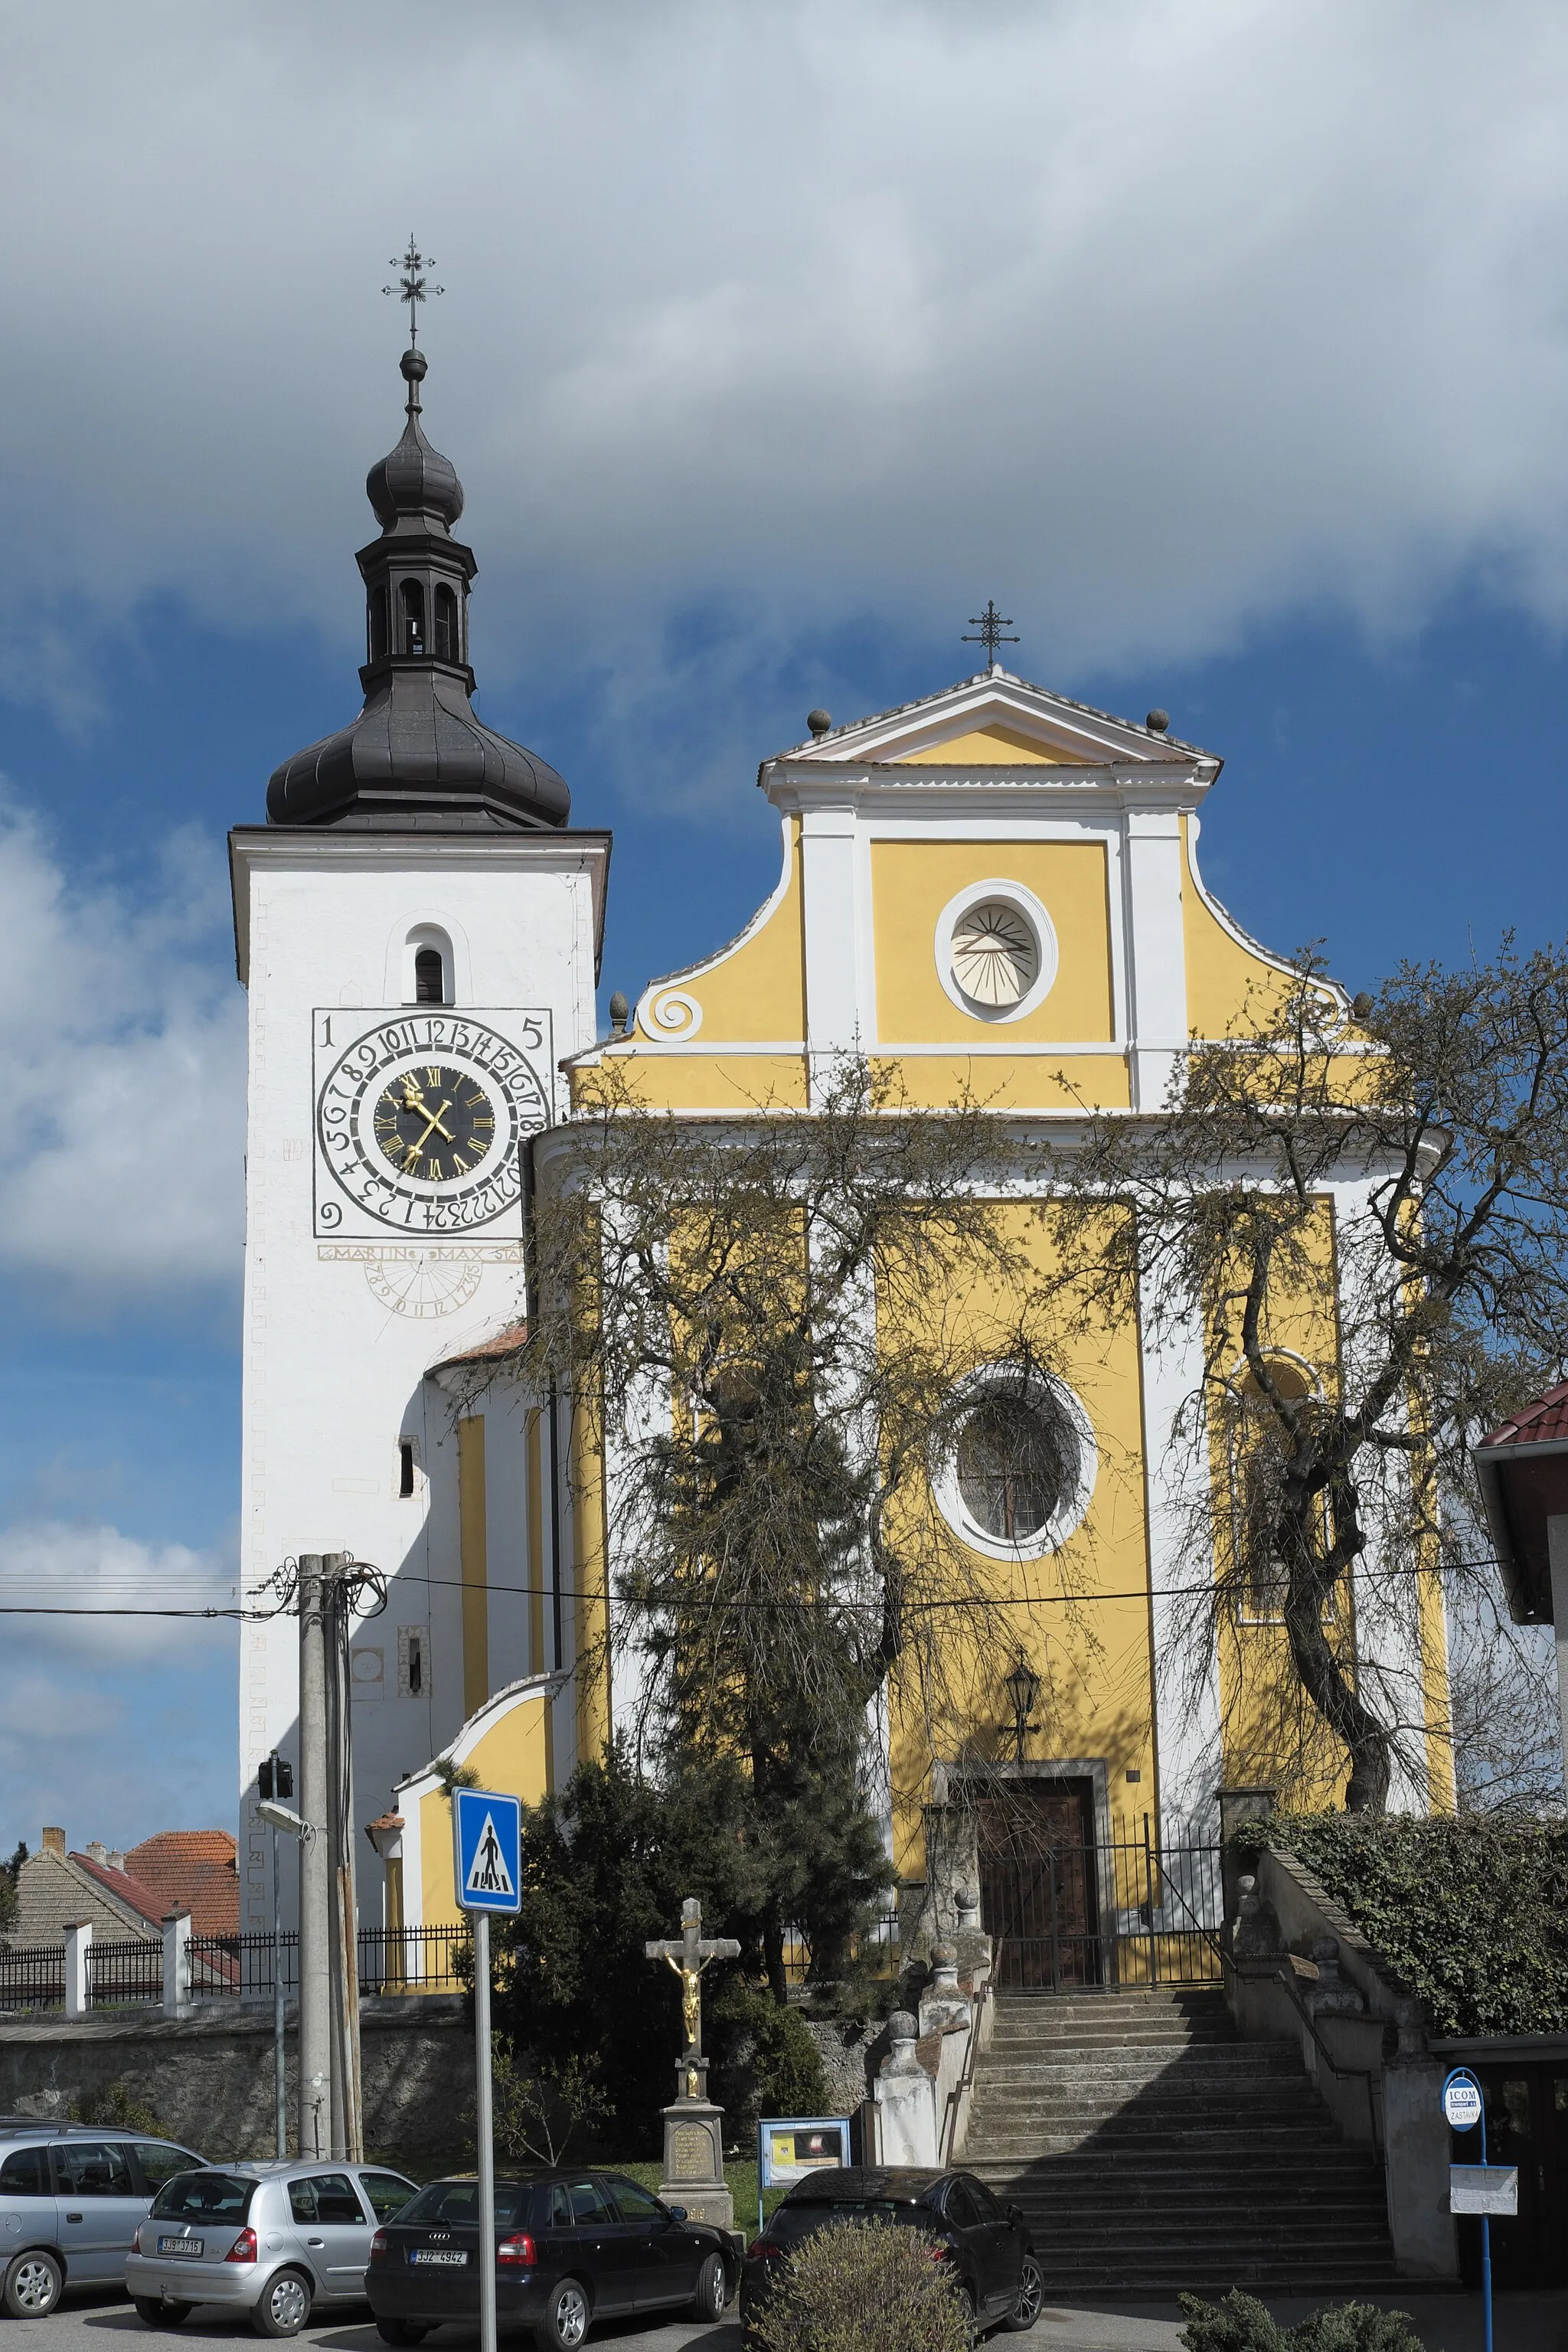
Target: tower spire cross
(414, 287)
(990, 624)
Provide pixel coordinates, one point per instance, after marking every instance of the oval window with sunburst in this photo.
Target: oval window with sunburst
(995, 956)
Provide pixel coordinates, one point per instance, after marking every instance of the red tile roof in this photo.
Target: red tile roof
(127, 1888)
(197, 1869)
(1542, 1422)
(503, 1343)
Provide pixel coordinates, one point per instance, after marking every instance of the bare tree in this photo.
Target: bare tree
(776, 1315)
(1355, 1226)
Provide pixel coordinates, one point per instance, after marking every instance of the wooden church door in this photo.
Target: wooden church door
(1038, 1884)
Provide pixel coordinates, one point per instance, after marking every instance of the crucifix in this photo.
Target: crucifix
(990, 623)
(688, 1954)
(413, 286)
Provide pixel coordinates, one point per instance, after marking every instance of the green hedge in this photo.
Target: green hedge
(1472, 1914)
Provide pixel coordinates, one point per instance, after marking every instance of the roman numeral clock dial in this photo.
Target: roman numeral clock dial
(420, 1119)
(435, 1121)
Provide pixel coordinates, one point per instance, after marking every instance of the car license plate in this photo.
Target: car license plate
(190, 2247)
(453, 2260)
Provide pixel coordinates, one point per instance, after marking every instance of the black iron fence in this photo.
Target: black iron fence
(1079, 1913)
(130, 1973)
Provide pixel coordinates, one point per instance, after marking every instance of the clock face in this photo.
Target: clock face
(420, 1120)
(434, 1122)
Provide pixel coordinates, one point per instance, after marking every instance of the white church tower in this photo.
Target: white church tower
(418, 930)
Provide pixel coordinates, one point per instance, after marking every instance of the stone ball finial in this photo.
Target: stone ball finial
(1157, 722)
(819, 722)
(1361, 1004)
(620, 1012)
(903, 2026)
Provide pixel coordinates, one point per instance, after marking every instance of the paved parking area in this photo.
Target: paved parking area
(1447, 2323)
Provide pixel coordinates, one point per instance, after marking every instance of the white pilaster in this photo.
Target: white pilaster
(1188, 1745)
(1557, 1552)
(1156, 951)
(831, 909)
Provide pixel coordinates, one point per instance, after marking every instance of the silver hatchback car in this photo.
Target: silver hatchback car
(268, 2241)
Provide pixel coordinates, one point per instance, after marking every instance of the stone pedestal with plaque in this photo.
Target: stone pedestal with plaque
(694, 2150)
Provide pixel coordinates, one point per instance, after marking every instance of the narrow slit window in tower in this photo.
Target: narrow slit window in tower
(446, 626)
(429, 981)
(411, 596)
(405, 1468)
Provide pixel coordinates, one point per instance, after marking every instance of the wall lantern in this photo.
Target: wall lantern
(1523, 1472)
(1022, 1686)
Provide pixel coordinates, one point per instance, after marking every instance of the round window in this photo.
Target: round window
(995, 955)
(1016, 1475)
(1017, 1465)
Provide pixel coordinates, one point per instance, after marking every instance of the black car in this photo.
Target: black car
(570, 2247)
(988, 2244)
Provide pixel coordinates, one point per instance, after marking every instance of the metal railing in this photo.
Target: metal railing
(127, 1972)
(130, 1969)
(1074, 1913)
(878, 1946)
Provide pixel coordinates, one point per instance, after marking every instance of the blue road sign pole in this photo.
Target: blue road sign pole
(487, 1841)
(1486, 2251)
(485, 2137)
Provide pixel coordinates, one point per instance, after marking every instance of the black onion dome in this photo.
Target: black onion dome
(417, 758)
(413, 482)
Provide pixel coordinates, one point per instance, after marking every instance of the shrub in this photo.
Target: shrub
(1242, 2323)
(120, 2106)
(869, 2286)
(769, 2064)
(1471, 1914)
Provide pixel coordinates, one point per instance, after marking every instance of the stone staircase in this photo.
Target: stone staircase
(1154, 2151)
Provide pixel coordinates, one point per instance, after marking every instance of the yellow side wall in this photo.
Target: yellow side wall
(536, 1561)
(473, 1553)
(1222, 977)
(513, 1756)
(912, 882)
(758, 988)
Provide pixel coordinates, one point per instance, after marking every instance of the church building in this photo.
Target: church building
(992, 888)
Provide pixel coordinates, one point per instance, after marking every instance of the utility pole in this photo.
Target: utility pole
(341, 1587)
(316, 2069)
(275, 1785)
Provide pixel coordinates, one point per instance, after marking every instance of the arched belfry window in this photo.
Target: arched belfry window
(430, 968)
(447, 641)
(379, 631)
(411, 598)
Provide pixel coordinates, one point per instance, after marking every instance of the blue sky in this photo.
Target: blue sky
(1225, 346)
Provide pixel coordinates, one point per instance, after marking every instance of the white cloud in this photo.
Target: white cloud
(124, 1080)
(114, 1725)
(1149, 320)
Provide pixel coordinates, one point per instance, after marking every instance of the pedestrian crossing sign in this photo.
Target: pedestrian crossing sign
(488, 1829)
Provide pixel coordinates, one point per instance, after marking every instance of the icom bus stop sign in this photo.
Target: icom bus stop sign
(489, 1831)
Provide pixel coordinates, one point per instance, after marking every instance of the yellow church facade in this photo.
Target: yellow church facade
(991, 894)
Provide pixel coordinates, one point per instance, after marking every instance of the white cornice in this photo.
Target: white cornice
(873, 790)
(286, 849)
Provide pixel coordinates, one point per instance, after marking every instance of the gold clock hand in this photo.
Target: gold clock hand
(434, 1121)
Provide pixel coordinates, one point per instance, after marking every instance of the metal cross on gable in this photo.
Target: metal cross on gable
(413, 286)
(990, 624)
(688, 1954)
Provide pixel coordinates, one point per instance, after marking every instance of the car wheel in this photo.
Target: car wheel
(713, 2290)
(1031, 2295)
(565, 2323)
(153, 2312)
(284, 2306)
(32, 2284)
(401, 2331)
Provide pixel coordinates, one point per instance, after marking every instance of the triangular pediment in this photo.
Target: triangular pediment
(994, 719)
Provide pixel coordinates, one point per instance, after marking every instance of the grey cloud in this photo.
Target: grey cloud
(1155, 321)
